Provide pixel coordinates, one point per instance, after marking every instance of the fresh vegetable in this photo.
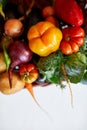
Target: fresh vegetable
(6, 57)
(13, 28)
(50, 67)
(52, 19)
(17, 83)
(2, 7)
(73, 39)
(83, 6)
(44, 38)
(19, 53)
(75, 67)
(83, 50)
(2, 63)
(69, 11)
(59, 52)
(48, 11)
(3, 3)
(68, 82)
(29, 73)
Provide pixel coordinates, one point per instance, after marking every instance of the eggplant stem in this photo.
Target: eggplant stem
(67, 80)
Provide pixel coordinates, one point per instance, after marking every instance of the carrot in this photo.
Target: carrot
(30, 89)
(67, 80)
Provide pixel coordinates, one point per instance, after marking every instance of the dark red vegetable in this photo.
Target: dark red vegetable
(19, 53)
(69, 11)
(73, 39)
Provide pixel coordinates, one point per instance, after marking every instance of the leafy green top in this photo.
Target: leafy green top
(75, 66)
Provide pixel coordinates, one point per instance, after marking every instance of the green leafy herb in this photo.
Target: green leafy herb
(50, 66)
(83, 49)
(75, 67)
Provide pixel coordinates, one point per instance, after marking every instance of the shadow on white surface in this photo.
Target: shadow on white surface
(19, 111)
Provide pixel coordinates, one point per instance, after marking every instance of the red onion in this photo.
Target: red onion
(19, 53)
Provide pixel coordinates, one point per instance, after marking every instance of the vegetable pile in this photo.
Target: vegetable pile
(42, 43)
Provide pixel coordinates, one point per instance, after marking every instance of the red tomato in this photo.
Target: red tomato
(73, 38)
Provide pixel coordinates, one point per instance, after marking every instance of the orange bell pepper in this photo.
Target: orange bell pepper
(44, 38)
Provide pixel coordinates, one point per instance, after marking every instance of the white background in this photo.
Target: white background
(20, 112)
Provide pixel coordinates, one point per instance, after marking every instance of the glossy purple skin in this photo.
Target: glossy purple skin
(19, 53)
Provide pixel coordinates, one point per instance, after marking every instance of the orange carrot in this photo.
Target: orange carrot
(67, 80)
(30, 89)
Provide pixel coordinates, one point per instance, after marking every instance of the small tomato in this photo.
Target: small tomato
(52, 19)
(48, 11)
(73, 38)
(29, 73)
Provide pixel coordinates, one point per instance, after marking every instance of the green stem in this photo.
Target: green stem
(7, 58)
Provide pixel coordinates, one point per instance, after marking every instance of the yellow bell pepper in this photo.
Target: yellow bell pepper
(44, 38)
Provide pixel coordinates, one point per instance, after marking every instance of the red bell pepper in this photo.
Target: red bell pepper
(73, 39)
(69, 11)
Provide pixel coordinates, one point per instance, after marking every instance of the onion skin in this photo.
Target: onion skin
(13, 28)
(19, 53)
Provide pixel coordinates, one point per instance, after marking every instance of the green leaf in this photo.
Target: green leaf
(75, 67)
(3, 3)
(85, 76)
(7, 58)
(83, 49)
(1, 11)
(50, 66)
(2, 7)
